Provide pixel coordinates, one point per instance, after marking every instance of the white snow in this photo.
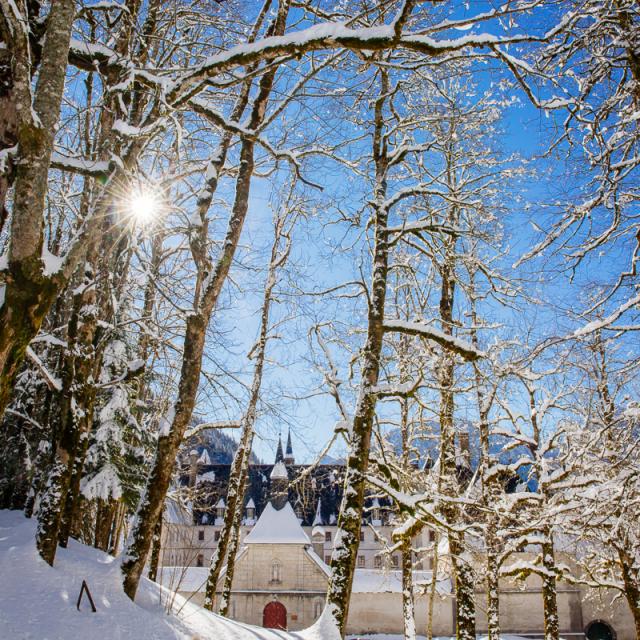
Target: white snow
(52, 264)
(279, 472)
(376, 581)
(209, 476)
(38, 602)
(277, 527)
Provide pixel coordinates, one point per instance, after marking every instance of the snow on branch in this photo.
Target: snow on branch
(395, 390)
(82, 166)
(233, 424)
(609, 320)
(461, 347)
(203, 108)
(331, 36)
(52, 382)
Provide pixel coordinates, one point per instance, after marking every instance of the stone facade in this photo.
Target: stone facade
(285, 552)
(293, 574)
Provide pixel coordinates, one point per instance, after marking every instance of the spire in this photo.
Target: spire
(288, 456)
(317, 520)
(279, 455)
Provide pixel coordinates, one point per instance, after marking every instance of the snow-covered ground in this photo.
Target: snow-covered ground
(38, 602)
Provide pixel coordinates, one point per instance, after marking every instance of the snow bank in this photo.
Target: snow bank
(38, 602)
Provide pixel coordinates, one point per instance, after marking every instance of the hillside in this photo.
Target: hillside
(38, 602)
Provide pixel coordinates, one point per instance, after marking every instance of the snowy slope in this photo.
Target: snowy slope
(38, 602)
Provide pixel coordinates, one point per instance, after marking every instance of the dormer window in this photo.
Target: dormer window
(220, 509)
(250, 510)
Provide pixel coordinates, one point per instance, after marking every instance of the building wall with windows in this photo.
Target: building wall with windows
(290, 580)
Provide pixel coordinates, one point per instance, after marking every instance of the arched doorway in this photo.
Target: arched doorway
(274, 616)
(599, 630)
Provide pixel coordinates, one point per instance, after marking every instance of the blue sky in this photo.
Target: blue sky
(291, 382)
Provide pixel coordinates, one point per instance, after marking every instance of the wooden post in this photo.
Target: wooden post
(84, 588)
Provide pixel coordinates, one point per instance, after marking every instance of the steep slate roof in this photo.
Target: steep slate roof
(289, 450)
(315, 500)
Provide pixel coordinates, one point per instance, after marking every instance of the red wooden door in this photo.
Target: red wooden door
(274, 616)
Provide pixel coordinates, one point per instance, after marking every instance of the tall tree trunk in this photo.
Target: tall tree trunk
(343, 559)
(76, 417)
(549, 593)
(168, 444)
(29, 289)
(490, 488)
(448, 480)
(155, 550)
(433, 588)
(408, 603)
(234, 541)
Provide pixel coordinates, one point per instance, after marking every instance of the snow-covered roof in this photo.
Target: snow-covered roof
(377, 581)
(317, 520)
(221, 504)
(277, 527)
(208, 476)
(279, 472)
(204, 457)
(176, 513)
(317, 531)
(251, 504)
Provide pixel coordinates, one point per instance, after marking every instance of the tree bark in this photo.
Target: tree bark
(448, 480)
(29, 290)
(549, 594)
(343, 560)
(155, 550)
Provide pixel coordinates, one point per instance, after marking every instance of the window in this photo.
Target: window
(318, 605)
(201, 534)
(327, 536)
(216, 536)
(275, 571)
(361, 562)
(361, 535)
(200, 560)
(395, 561)
(327, 559)
(377, 562)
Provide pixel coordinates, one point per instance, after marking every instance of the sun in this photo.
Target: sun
(144, 206)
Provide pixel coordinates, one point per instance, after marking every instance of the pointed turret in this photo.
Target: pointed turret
(288, 456)
(279, 489)
(279, 454)
(317, 520)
